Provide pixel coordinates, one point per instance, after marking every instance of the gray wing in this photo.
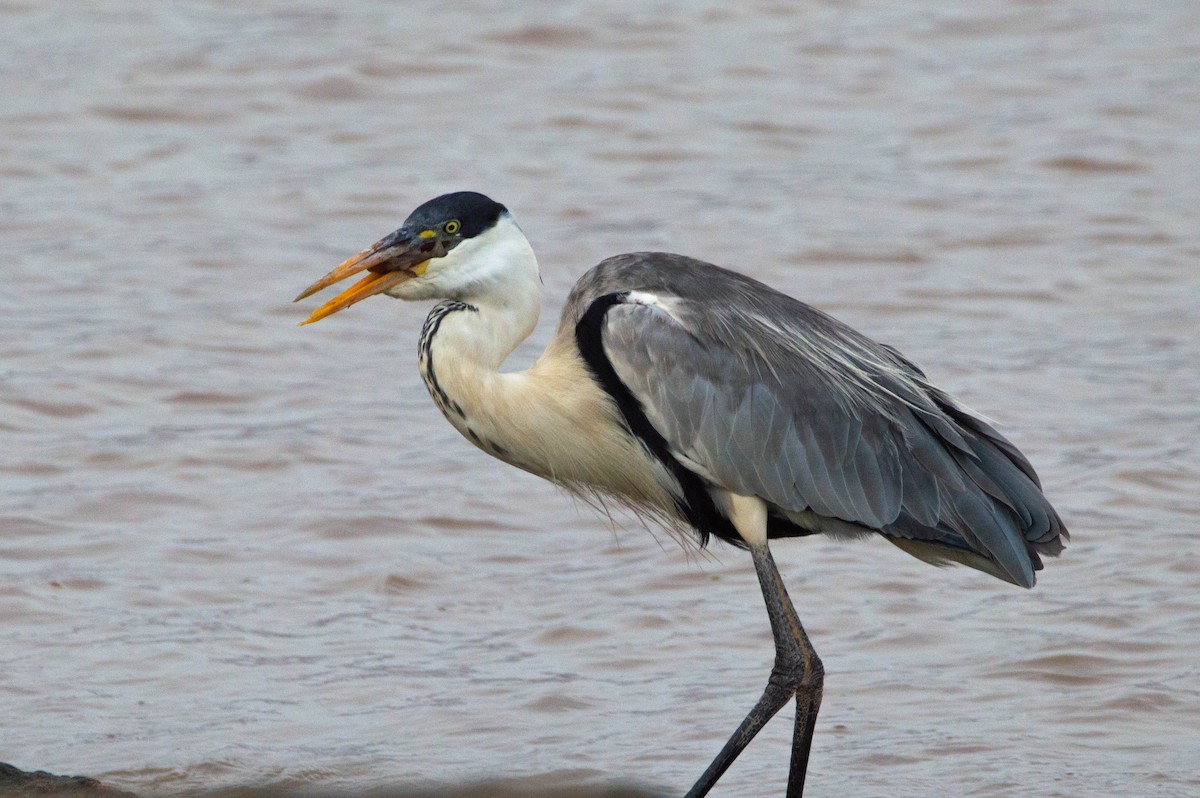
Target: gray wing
(763, 395)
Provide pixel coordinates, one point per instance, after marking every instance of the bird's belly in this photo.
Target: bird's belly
(587, 459)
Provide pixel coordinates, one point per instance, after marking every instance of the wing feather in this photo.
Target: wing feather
(770, 397)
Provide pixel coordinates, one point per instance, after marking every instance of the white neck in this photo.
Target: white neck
(496, 276)
(463, 345)
(551, 419)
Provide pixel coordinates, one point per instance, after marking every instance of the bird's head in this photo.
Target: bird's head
(451, 247)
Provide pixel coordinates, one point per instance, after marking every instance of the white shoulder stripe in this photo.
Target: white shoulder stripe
(667, 304)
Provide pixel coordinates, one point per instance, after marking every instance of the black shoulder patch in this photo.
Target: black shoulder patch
(696, 505)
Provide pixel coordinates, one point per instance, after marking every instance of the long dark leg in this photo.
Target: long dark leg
(798, 672)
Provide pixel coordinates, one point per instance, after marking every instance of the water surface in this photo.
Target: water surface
(237, 552)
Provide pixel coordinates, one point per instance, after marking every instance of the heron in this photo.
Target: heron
(712, 403)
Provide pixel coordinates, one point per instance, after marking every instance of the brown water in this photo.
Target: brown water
(234, 551)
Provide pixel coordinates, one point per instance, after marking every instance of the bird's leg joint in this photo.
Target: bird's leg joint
(797, 670)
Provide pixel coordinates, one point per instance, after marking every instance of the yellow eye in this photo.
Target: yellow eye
(451, 227)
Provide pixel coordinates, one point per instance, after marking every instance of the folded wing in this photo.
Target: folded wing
(763, 395)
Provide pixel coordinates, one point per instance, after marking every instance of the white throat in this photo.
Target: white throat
(497, 274)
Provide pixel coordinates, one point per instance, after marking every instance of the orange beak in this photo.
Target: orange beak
(389, 261)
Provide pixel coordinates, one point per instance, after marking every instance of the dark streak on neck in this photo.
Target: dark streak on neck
(433, 323)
